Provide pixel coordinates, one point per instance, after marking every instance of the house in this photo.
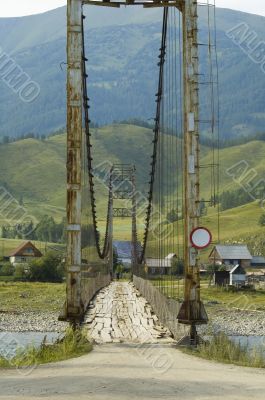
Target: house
(258, 262)
(238, 276)
(171, 256)
(231, 255)
(123, 250)
(221, 278)
(158, 266)
(234, 275)
(25, 253)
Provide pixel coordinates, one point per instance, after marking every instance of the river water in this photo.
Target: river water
(10, 342)
(250, 341)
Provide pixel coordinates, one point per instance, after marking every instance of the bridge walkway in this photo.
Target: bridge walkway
(120, 314)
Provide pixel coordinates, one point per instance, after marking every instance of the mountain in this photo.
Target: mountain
(122, 48)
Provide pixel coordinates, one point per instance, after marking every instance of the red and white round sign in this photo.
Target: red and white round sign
(200, 238)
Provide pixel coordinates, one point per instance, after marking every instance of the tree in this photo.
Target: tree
(212, 268)
(262, 220)
(46, 269)
(177, 266)
(6, 269)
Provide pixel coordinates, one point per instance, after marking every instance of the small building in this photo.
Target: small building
(238, 276)
(221, 278)
(231, 255)
(171, 256)
(158, 266)
(25, 253)
(258, 262)
(123, 249)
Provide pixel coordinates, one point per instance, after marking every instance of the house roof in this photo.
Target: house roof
(170, 256)
(20, 250)
(233, 252)
(158, 262)
(258, 260)
(124, 248)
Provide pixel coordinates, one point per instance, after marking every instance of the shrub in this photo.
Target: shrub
(223, 349)
(262, 220)
(74, 344)
(20, 272)
(7, 270)
(46, 269)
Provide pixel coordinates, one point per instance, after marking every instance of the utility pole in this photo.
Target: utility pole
(192, 311)
(74, 156)
(111, 227)
(134, 225)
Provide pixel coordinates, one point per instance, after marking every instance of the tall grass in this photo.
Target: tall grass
(74, 344)
(221, 348)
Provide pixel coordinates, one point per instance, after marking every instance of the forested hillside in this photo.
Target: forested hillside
(122, 49)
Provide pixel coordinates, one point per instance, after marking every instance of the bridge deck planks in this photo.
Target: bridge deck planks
(119, 314)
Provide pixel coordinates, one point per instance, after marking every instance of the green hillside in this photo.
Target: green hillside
(122, 47)
(33, 171)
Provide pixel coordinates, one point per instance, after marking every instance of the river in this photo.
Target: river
(11, 341)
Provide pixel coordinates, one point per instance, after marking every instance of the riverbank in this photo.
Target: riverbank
(235, 322)
(28, 321)
(231, 321)
(35, 307)
(74, 343)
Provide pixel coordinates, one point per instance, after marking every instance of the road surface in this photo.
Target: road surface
(146, 366)
(130, 371)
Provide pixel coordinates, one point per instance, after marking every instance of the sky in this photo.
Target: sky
(16, 8)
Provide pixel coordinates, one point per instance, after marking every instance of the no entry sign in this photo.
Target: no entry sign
(200, 238)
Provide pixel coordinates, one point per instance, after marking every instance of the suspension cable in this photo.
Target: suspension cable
(104, 252)
(159, 96)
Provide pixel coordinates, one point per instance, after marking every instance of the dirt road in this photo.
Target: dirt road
(123, 372)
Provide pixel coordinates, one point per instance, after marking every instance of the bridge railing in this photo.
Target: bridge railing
(166, 308)
(90, 285)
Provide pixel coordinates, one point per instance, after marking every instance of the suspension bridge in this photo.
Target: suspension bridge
(184, 106)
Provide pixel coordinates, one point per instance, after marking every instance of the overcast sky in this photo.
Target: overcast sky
(15, 8)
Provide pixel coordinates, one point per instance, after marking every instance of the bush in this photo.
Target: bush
(177, 267)
(222, 348)
(46, 269)
(20, 272)
(7, 270)
(262, 220)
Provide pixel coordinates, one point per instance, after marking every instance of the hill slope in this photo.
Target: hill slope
(122, 47)
(34, 171)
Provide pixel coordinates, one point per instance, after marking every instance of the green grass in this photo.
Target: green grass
(7, 278)
(29, 296)
(74, 344)
(224, 350)
(228, 297)
(242, 299)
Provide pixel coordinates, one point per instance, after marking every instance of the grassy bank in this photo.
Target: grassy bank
(31, 296)
(246, 299)
(74, 344)
(223, 349)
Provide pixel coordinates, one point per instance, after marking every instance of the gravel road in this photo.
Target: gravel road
(123, 372)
